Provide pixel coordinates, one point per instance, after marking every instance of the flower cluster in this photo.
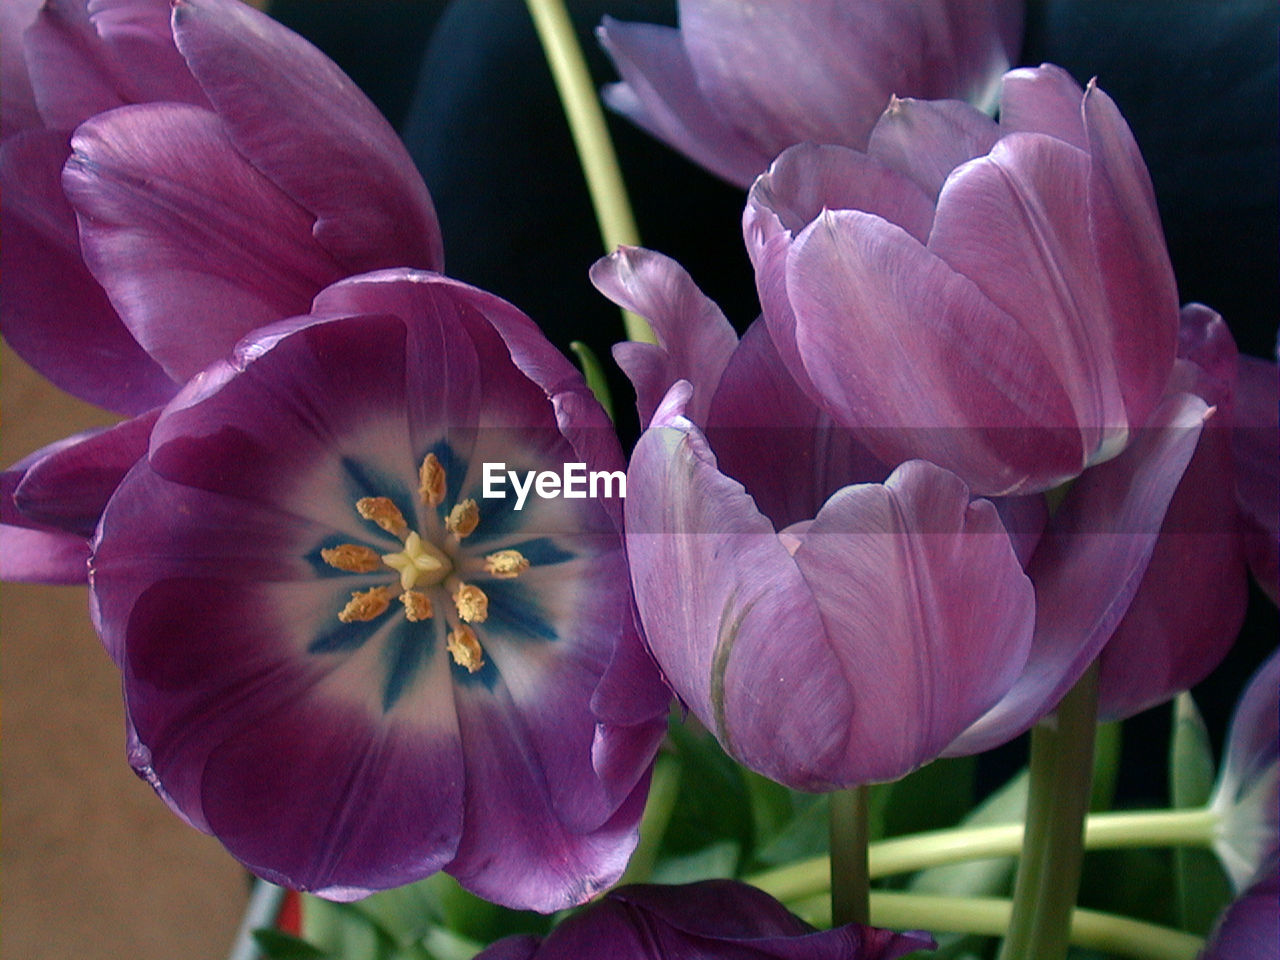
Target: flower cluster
(972, 456)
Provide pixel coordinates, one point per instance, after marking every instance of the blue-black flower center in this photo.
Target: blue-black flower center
(428, 569)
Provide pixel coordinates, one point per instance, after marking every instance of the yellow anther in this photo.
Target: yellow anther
(431, 486)
(472, 604)
(384, 513)
(465, 648)
(463, 519)
(506, 564)
(419, 564)
(417, 606)
(366, 604)
(353, 558)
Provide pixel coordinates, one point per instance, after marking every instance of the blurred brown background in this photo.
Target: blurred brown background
(95, 867)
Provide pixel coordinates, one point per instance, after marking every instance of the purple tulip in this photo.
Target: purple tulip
(995, 298)
(1247, 794)
(1246, 799)
(712, 920)
(828, 634)
(340, 656)
(219, 172)
(738, 83)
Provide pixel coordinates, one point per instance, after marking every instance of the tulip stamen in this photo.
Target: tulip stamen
(465, 648)
(472, 603)
(384, 513)
(366, 605)
(431, 481)
(506, 564)
(352, 557)
(417, 606)
(463, 519)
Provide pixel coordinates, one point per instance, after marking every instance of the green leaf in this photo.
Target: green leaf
(804, 836)
(713, 802)
(714, 861)
(277, 945)
(341, 930)
(1107, 746)
(1201, 887)
(935, 796)
(594, 375)
(405, 913)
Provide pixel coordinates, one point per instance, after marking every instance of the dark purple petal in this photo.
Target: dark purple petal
(761, 419)
(302, 122)
(1250, 927)
(1089, 564)
(20, 111)
(928, 610)
(1011, 223)
(1136, 274)
(521, 854)
(70, 487)
(660, 93)
(54, 314)
(912, 355)
(277, 754)
(716, 918)
(1256, 445)
(927, 139)
(694, 338)
(1189, 607)
(1044, 99)
(194, 246)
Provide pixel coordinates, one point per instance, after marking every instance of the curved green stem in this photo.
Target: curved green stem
(936, 848)
(590, 137)
(1048, 879)
(850, 876)
(990, 916)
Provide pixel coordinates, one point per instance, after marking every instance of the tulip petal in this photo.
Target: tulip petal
(55, 314)
(781, 708)
(660, 94)
(239, 729)
(694, 338)
(87, 61)
(928, 608)
(1011, 223)
(176, 224)
(927, 139)
(521, 854)
(29, 555)
(303, 123)
(1250, 927)
(913, 356)
(1134, 264)
(1044, 99)
(760, 418)
(20, 111)
(70, 487)
(1089, 564)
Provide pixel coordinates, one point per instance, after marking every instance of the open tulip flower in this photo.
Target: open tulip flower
(841, 641)
(185, 172)
(738, 83)
(342, 659)
(712, 920)
(995, 298)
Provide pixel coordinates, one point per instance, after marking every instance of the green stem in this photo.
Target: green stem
(850, 875)
(990, 916)
(1048, 880)
(936, 848)
(590, 137)
(664, 787)
(261, 911)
